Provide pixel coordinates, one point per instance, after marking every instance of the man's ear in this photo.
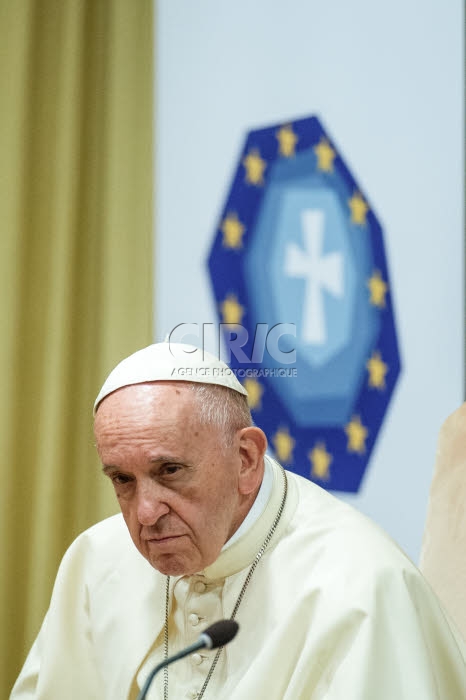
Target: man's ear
(252, 447)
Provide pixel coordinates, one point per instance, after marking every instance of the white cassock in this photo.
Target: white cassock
(333, 611)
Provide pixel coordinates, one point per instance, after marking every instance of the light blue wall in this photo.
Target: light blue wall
(386, 80)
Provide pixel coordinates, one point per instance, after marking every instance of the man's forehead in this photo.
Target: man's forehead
(145, 394)
(165, 411)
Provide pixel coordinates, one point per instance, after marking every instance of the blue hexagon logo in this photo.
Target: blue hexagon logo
(300, 278)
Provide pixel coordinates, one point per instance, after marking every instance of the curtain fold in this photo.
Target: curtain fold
(76, 290)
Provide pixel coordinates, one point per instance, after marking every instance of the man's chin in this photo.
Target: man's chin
(173, 565)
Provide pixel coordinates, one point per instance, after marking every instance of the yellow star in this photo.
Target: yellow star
(321, 461)
(358, 208)
(287, 141)
(232, 230)
(377, 370)
(255, 167)
(357, 434)
(325, 155)
(232, 311)
(255, 391)
(378, 289)
(284, 445)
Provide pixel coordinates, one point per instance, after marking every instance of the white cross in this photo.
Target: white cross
(321, 273)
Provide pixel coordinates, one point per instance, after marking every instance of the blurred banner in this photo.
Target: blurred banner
(76, 88)
(301, 285)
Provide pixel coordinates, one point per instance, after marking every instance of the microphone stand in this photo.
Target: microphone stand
(203, 642)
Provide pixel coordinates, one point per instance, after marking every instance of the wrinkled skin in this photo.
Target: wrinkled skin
(182, 492)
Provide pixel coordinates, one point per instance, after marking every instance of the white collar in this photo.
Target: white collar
(257, 507)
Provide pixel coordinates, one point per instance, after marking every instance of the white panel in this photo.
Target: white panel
(386, 80)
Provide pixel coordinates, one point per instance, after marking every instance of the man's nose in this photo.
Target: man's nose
(150, 504)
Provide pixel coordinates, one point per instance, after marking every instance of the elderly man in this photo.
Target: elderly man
(212, 528)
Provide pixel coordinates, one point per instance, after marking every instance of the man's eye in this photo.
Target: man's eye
(120, 479)
(170, 469)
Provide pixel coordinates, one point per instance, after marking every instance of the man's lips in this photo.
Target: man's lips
(158, 539)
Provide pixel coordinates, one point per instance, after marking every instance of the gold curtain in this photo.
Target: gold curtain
(76, 89)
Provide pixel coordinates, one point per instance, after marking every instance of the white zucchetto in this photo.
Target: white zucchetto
(176, 362)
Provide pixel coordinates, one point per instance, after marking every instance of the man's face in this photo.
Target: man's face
(177, 484)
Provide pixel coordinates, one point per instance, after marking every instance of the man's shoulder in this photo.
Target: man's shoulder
(105, 529)
(336, 553)
(111, 532)
(341, 533)
(103, 547)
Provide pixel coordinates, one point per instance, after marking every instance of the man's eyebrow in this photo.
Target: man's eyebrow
(108, 468)
(165, 458)
(160, 459)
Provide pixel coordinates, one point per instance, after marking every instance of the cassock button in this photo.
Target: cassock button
(193, 619)
(200, 586)
(193, 694)
(196, 659)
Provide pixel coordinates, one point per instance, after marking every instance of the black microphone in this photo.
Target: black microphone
(217, 635)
